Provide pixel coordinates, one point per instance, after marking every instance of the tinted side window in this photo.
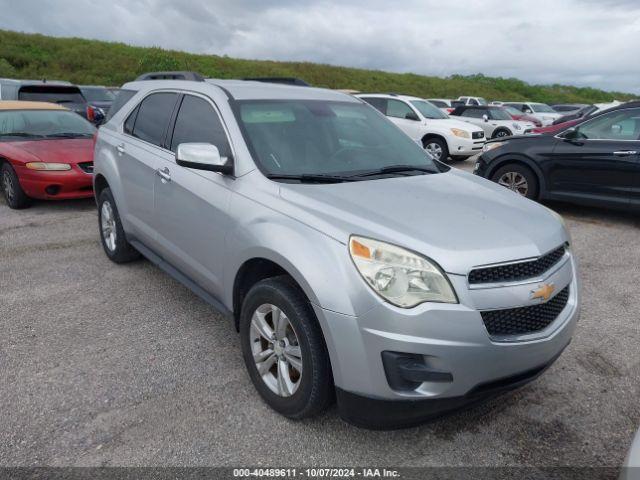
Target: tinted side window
(131, 121)
(473, 101)
(198, 122)
(398, 109)
(379, 104)
(473, 113)
(153, 117)
(619, 125)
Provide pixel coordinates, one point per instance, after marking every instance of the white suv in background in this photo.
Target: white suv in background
(425, 123)
(541, 111)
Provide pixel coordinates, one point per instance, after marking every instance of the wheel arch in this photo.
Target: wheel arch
(501, 129)
(521, 160)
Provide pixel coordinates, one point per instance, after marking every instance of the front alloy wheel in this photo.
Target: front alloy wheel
(276, 350)
(516, 182)
(434, 149)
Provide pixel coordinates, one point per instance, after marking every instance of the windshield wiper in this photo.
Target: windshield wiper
(395, 169)
(311, 178)
(20, 134)
(70, 135)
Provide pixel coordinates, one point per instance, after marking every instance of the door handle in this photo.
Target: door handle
(624, 153)
(120, 149)
(164, 174)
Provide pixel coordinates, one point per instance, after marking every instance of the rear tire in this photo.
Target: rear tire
(437, 148)
(518, 178)
(112, 236)
(295, 376)
(13, 192)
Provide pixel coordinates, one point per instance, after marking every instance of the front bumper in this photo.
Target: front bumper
(64, 185)
(449, 339)
(465, 147)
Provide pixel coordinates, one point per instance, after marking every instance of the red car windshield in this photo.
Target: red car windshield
(43, 124)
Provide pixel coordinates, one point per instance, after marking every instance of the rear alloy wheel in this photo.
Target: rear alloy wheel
(437, 148)
(13, 192)
(518, 179)
(112, 237)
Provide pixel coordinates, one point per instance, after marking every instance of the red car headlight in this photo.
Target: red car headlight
(50, 167)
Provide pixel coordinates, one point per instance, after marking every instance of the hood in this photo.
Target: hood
(67, 150)
(457, 219)
(452, 123)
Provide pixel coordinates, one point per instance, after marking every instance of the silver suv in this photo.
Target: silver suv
(353, 264)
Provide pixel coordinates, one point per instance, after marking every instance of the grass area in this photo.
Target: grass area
(95, 62)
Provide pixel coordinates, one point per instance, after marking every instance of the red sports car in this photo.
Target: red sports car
(518, 115)
(46, 152)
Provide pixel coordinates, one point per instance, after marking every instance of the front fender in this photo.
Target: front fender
(505, 158)
(320, 264)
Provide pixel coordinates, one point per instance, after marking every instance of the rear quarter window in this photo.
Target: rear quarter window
(122, 97)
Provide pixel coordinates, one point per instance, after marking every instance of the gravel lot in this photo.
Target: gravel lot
(120, 365)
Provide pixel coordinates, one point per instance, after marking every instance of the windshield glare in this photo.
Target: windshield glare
(481, 101)
(499, 114)
(97, 94)
(429, 110)
(43, 123)
(297, 137)
(542, 108)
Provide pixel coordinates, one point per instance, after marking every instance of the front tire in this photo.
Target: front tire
(13, 192)
(517, 178)
(284, 350)
(112, 236)
(437, 148)
(501, 133)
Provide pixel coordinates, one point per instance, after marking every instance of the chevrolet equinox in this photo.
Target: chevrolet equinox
(356, 267)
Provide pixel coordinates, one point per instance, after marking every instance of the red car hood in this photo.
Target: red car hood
(558, 127)
(67, 150)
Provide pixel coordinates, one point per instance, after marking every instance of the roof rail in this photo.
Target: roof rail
(284, 80)
(193, 76)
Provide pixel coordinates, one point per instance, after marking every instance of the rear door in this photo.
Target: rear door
(599, 160)
(140, 156)
(191, 206)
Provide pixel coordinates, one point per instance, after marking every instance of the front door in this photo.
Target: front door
(598, 160)
(405, 117)
(191, 206)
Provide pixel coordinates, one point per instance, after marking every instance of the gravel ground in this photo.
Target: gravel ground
(120, 365)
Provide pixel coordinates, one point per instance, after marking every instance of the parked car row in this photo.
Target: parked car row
(330, 229)
(89, 101)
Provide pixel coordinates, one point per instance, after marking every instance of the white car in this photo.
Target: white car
(425, 123)
(472, 101)
(443, 104)
(495, 121)
(541, 111)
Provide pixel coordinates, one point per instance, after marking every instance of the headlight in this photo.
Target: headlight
(401, 277)
(53, 167)
(517, 126)
(487, 147)
(460, 133)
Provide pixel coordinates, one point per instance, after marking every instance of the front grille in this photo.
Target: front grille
(518, 321)
(86, 167)
(477, 134)
(514, 272)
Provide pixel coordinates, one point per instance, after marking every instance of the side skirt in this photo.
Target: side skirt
(183, 279)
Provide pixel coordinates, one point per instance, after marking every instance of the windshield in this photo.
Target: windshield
(310, 137)
(97, 94)
(511, 110)
(481, 101)
(60, 95)
(542, 108)
(43, 123)
(499, 114)
(429, 110)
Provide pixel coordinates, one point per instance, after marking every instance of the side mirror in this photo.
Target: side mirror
(203, 156)
(570, 134)
(485, 117)
(411, 116)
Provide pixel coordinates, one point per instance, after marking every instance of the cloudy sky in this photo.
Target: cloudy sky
(579, 42)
